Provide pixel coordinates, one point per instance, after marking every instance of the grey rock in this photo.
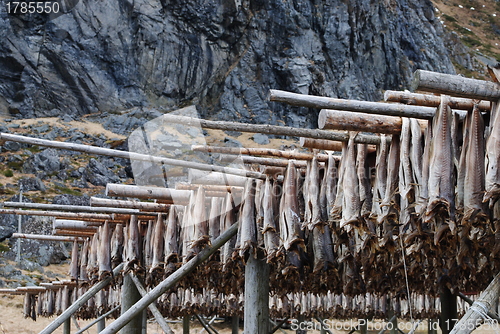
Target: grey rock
(260, 139)
(98, 174)
(31, 184)
(47, 161)
(12, 146)
(72, 200)
(31, 266)
(221, 55)
(232, 142)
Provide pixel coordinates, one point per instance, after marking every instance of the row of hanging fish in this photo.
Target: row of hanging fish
(430, 202)
(187, 301)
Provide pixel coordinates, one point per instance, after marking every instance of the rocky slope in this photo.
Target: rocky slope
(224, 55)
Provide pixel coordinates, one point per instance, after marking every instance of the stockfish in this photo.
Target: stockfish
(156, 270)
(172, 235)
(270, 232)
(201, 236)
(73, 268)
(329, 187)
(104, 256)
(492, 184)
(133, 244)
(248, 229)
(351, 203)
(313, 210)
(117, 241)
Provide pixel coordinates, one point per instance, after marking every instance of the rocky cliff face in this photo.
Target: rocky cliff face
(223, 55)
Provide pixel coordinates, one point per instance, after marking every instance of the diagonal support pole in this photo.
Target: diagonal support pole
(82, 300)
(479, 309)
(152, 307)
(170, 281)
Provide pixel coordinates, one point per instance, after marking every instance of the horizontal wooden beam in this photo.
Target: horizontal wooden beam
(327, 145)
(128, 155)
(74, 208)
(73, 233)
(208, 187)
(57, 214)
(270, 129)
(321, 102)
(46, 237)
(455, 85)
(68, 224)
(260, 151)
(276, 162)
(124, 190)
(115, 203)
(198, 177)
(329, 119)
(407, 97)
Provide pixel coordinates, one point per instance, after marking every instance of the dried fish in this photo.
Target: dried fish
(133, 244)
(441, 207)
(248, 229)
(73, 268)
(380, 183)
(158, 245)
(271, 237)
(313, 215)
(84, 261)
(336, 211)
(492, 179)
(230, 214)
(172, 235)
(104, 256)
(351, 204)
(147, 251)
(406, 180)
(363, 170)
(200, 221)
(93, 263)
(329, 187)
(289, 217)
(117, 241)
(214, 217)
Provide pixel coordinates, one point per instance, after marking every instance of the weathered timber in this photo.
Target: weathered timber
(329, 119)
(68, 224)
(256, 313)
(271, 129)
(115, 203)
(130, 296)
(74, 208)
(31, 289)
(321, 102)
(152, 307)
(407, 97)
(455, 85)
(274, 171)
(73, 233)
(276, 162)
(449, 313)
(128, 155)
(487, 299)
(80, 301)
(46, 237)
(6, 291)
(59, 214)
(98, 321)
(470, 302)
(327, 145)
(259, 151)
(171, 280)
(198, 177)
(208, 187)
(124, 190)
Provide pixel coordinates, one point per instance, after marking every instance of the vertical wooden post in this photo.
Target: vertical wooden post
(235, 324)
(301, 320)
(19, 230)
(130, 296)
(391, 314)
(449, 313)
(101, 325)
(431, 326)
(67, 326)
(144, 321)
(185, 324)
(256, 319)
(363, 326)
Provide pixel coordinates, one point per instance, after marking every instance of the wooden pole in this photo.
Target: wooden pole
(185, 324)
(101, 322)
(80, 301)
(260, 151)
(197, 177)
(433, 100)
(208, 187)
(277, 162)
(129, 155)
(171, 280)
(73, 208)
(66, 224)
(169, 194)
(455, 85)
(256, 313)
(477, 312)
(235, 324)
(327, 145)
(46, 237)
(144, 206)
(470, 302)
(73, 233)
(449, 313)
(273, 129)
(152, 307)
(130, 296)
(320, 102)
(67, 327)
(329, 119)
(75, 215)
